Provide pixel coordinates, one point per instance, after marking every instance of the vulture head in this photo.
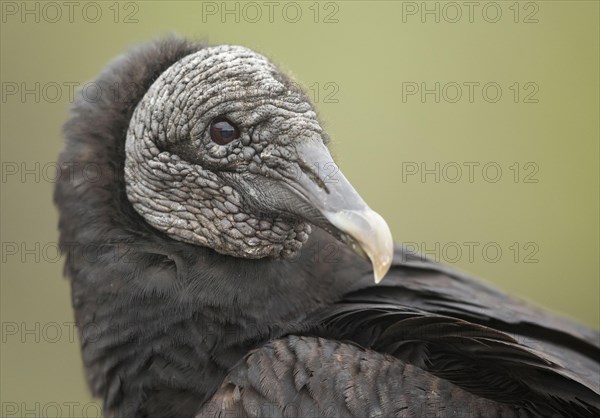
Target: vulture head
(223, 151)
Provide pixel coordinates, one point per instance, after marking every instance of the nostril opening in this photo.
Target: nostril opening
(312, 173)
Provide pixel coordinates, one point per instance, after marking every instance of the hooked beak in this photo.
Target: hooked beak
(339, 208)
(367, 233)
(320, 194)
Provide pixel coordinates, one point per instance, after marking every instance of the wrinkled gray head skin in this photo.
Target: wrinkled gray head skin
(191, 188)
(257, 195)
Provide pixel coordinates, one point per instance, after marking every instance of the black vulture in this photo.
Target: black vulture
(217, 270)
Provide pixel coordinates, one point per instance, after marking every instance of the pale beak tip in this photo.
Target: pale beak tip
(372, 234)
(380, 248)
(381, 268)
(382, 259)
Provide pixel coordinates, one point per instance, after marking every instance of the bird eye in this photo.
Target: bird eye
(223, 132)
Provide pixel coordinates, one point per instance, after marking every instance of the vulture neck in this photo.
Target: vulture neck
(167, 327)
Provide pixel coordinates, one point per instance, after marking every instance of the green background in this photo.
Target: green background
(366, 56)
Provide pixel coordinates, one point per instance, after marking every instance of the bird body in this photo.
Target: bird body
(249, 299)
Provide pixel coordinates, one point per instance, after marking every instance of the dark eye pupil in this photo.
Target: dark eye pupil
(223, 132)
